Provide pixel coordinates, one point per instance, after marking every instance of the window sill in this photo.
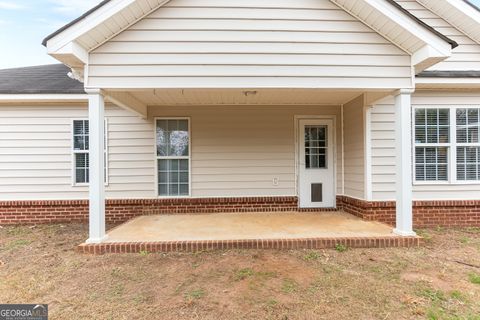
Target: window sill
(174, 197)
(445, 183)
(80, 185)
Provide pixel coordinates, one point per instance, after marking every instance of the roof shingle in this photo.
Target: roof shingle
(46, 79)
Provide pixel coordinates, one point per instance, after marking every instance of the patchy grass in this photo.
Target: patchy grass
(474, 278)
(15, 244)
(243, 274)
(458, 295)
(289, 285)
(39, 265)
(340, 247)
(144, 253)
(195, 294)
(435, 296)
(312, 256)
(425, 234)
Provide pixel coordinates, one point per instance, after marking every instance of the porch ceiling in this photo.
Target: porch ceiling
(244, 97)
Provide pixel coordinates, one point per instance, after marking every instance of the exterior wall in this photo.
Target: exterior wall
(465, 57)
(262, 43)
(383, 149)
(354, 148)
(426, 214)
(117, 211)
(36, 158)
(237, 151)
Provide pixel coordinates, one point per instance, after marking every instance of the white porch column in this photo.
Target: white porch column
(403, 141)
(96, 111)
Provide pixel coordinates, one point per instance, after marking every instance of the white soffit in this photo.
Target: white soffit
(72, 44)
(426, 46)
(458, 13)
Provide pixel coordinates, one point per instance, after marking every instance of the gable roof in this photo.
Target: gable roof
(453, 43)
(471, 5)
(462, 14)
(71, 23)
(46, 79)
(73, 43)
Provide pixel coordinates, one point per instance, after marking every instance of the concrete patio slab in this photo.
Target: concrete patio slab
(289, 230)
(244, 226)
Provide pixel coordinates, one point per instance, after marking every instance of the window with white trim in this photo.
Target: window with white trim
(173, 157)
(447, 144)
(81, 147)
(468, 144)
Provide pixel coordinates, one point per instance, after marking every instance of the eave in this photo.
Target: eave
(459, 13)
(426, 45)
(71, 44)
(448, 80)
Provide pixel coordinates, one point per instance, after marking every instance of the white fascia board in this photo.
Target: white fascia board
(426, 57)
(43, 98)
(72, 55)
(464, 8)
(436, 43)
(470, 22)
(88, 23)
(434, 50)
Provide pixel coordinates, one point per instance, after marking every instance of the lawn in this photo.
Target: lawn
(438, 281)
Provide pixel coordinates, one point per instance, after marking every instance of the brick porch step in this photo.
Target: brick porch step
(279, 244)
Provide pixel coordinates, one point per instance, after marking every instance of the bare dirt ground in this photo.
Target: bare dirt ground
(438, 281)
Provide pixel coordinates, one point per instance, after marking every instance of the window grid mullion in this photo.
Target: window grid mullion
(85, 135)
(469, 144)
(452, 166)
(431, 151)
(174, 183)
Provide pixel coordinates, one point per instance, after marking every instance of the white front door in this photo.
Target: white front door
(316, 163)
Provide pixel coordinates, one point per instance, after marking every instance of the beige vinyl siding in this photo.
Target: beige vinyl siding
(239, 150)
(465, 57)
(263, 43)
(383, 149)
(354, 146)
(36, 153)
(236, 151)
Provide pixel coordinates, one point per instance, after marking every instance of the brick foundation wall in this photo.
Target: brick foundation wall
(426, 213)
(64, 211)
(277, 244)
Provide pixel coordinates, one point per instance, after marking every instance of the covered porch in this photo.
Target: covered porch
(333, 57)
(341, 167)
(259, 230)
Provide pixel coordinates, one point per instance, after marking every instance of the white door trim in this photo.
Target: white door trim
(297, 119)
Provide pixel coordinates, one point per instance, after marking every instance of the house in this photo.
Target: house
(370, 106)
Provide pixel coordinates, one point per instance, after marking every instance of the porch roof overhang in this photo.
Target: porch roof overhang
(462, 14)
(448, 80)
(71, 44)
(426, 45)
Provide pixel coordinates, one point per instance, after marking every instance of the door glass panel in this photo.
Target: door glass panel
(316, 142)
